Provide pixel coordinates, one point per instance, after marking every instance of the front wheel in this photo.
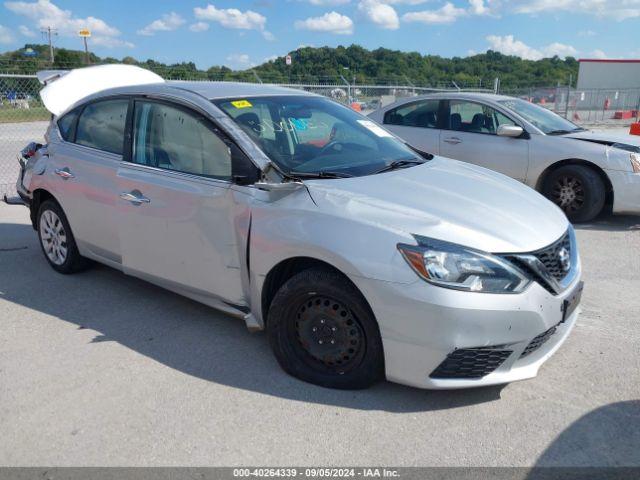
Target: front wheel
(322, 331)
(578, 190)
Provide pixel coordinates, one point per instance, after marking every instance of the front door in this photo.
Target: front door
(175, 204)
(470, 136)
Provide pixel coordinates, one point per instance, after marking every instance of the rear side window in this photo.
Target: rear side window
(422, 114)
(101, 125)
(67, 123)
(171, 138)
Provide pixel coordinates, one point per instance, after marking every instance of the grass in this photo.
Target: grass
(18, 115)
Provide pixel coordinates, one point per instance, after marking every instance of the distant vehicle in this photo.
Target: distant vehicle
(360, 256)
(579, 170)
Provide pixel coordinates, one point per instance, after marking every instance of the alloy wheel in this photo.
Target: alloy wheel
(568, 193)
(53, 237)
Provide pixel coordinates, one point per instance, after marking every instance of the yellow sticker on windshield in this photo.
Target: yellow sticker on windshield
(241, 104)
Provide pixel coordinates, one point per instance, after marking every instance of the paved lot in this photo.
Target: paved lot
(103, 369)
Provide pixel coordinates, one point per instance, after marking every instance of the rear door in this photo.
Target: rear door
(83, 166)
(175, 206)
(470, 135)
(417, 123)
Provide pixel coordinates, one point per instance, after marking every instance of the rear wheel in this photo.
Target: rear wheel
(322, 331)
(578, 190)
(57, 242)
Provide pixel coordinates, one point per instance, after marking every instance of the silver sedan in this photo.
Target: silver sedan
(582, 171)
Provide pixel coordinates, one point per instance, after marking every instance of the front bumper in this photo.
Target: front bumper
(422, 324)
(626, 191)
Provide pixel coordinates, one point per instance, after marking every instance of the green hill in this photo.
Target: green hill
(325, 65)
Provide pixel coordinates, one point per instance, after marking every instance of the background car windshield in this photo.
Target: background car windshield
(542, 118)
(311, 135)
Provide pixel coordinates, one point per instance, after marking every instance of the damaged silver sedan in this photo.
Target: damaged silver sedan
(361, 257)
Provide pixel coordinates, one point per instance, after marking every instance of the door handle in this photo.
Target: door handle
(64, 173)
(453, 140)
(134, 197)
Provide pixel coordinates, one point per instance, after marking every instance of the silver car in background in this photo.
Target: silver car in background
(579, 170)
(361, 257)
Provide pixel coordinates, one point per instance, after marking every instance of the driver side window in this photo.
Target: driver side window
(173, 139)
(465, 116)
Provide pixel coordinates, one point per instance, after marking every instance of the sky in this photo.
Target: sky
(244, 33)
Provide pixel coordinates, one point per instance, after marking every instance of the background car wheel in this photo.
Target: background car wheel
(577, 190)
(57, 242)
(322, 331)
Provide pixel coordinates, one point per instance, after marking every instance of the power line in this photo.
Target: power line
(50, 32)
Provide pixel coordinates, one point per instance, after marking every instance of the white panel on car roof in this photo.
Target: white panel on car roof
(62, 91)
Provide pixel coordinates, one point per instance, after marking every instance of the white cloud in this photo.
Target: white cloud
(559, 49)
(599, 54)
(231, 17)
(380, 13)
(26, 31)
(239, 61)
(45, 13)
(167, 23)
(6, 35)
(615, 9)
(478, 7)
(199, 27)
(331, 22)
(446, 14)
(587, 33)
(234, 18)
(508, 45)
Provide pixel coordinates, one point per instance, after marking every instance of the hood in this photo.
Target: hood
(63, 89)
(606, 138)
(448, 200)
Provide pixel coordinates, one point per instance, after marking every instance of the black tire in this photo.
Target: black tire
(72, 262)
(578, 190)
(325, 300)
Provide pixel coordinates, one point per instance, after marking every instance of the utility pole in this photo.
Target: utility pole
(50, 32)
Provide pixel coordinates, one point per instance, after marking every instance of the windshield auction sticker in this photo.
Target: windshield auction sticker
(371, 126)
(242, 104)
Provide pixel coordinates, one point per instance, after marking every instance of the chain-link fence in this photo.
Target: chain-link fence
(23, 118)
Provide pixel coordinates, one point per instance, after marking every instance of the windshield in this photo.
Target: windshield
(315, 135)
(547, 121)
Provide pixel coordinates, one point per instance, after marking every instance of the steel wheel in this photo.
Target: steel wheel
(53, 237)
(568, 193)
(328, 335)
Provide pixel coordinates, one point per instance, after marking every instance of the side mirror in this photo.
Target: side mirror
(512, 131)
(243, 170)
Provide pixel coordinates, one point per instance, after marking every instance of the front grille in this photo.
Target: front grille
(537, 342)
(550, 257)
(471, 362)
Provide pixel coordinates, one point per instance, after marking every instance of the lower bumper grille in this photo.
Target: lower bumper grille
(471, 362)
(537, 342)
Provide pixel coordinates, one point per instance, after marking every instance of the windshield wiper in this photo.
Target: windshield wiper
(564, 132)
(320, 174)
(399, 164)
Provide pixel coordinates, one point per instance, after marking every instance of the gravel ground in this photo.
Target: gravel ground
(100, 369)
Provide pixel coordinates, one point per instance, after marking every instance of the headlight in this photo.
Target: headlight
(635, 162)
(461, 268)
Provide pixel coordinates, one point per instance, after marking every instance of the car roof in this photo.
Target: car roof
(218, 90)
(491, 97)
